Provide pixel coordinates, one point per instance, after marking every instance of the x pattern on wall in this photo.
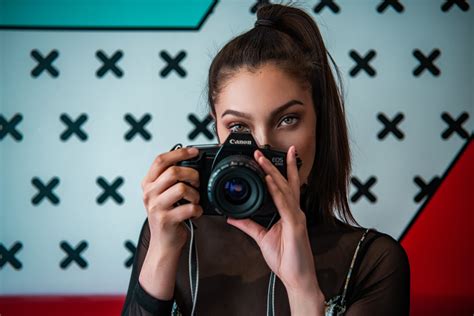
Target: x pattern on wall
(172, 64)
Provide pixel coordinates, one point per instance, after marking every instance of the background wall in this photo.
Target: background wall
(90, 93)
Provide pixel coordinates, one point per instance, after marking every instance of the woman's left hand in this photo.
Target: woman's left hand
(285, 246)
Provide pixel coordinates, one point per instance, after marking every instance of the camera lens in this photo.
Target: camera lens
(236, 190)
(236, 186)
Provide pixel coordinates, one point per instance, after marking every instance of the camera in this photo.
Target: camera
(232, 183)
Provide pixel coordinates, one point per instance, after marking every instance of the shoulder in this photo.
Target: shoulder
(382, 266)
(377, 254)
(376, 248)
(384, 251)
(381, 276)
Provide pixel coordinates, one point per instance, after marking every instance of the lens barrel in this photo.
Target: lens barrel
(237, 187)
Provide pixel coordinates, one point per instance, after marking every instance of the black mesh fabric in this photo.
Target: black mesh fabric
(233, 276)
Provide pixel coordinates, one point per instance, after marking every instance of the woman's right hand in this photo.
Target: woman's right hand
(163, 186)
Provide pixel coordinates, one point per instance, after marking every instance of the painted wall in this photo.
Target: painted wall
(91, 93)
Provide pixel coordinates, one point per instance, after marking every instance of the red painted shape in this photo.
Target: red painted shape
(440, 245)
(61, 305)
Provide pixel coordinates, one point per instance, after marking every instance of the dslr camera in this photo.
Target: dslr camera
(232, 183)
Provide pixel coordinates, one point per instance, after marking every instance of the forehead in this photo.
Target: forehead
(258, 91)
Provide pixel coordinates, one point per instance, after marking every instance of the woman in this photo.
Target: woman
(275, 82)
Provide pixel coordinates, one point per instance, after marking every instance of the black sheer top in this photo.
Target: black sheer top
(234, 277)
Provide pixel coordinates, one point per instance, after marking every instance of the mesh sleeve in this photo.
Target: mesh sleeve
(138, 301)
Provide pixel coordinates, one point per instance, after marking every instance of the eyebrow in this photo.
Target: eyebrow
(274, 113)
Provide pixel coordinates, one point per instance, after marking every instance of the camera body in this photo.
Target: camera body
(232, 183)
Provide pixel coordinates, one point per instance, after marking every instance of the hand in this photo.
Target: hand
(163, 186)
(285, 246)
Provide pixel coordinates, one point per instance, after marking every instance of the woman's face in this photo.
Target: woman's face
(277, 109)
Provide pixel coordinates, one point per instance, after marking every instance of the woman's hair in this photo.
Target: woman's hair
(290, 39)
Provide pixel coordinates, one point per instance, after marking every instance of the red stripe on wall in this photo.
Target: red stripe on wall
(61, 305)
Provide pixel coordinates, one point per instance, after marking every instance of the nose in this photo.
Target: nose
(263, 138)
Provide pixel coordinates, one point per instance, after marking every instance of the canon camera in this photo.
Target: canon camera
(232, 183)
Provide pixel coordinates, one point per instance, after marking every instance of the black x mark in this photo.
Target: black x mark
(331, 4)
(395, 4)
(390, 126)
(137, 126)
(45, 191)
(110, 190)
(426, 190)
(73, 127)
(363, 189)
(73, 254)
(8, 256)
(129, 245)
(200, 127)
(462, 4)
(426, 62)
(454, 125)
(172, 64)
(258, 4)
(44, 63)
(109, 63)
(9, 127)
(362, 63)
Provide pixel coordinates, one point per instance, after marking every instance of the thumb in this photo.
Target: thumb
(248, 226)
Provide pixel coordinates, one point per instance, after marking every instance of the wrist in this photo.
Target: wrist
(308, 301)
(158, 273)
(163, 253)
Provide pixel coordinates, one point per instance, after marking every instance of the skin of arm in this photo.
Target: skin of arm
(158, 274)
(306, 302)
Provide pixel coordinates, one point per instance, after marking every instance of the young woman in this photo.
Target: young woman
(275, 82)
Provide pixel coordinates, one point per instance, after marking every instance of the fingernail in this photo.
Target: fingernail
(291, 150)
(193, 150)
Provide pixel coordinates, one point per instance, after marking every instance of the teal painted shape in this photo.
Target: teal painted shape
(105, 14)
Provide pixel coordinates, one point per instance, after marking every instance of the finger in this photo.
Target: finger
(270, 169)
(184, 212)
(167, 159)
(173, 175)
(280, 200)
(292, 172)
(248, 226)
(179, 191)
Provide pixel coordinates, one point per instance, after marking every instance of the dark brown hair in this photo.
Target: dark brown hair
(292, 41)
